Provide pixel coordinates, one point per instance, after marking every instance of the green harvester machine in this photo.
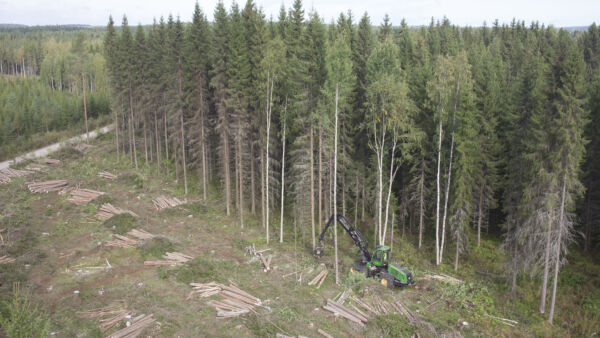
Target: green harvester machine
(374, 264)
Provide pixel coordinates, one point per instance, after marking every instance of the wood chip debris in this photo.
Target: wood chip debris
(320, 277)
(164, 202)
(47, 186)
(51, 161)
(234, 301)
(171, 258)
(7, 173)
(107, 211)
(138, 325)
(107, 175)
(6, 260)
(83, 196)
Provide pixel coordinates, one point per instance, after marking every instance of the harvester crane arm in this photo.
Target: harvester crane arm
(357, 237)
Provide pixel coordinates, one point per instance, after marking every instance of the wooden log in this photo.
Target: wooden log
(106, 324)
(136, 327)
(347, 310)
(323, 279)
(324, 334)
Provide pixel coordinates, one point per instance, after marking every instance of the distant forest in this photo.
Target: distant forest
(445, 131)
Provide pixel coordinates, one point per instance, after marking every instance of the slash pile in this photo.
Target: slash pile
(171, 258)
(8, 173)
(107, 175)
(234, 301)
(107, 211)
(163, 202)
(47, 186)
(83, 196)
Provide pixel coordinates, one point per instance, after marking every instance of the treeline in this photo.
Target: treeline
(448, 130)
(43, 75)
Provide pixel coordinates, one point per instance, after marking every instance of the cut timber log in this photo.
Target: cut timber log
(140, 234)
(122, 242)
(106, 324)
(35, 167)
(107, 175)
(164, 202)
(83, 196)
(234, 300)
(107, 211)
(319, 278)
(343, 311)
(324, 334)
(172, 258)
(135, 329)
(51, 161)
(8, 173)
(46, 186)
(6, 260)
(103, 311)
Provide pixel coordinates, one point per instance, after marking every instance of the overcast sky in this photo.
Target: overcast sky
(560, 13)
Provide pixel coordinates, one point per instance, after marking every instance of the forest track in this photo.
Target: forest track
(44, 151)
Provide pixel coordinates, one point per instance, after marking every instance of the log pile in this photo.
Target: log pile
(319, 278)
(8, 173)
(51, 161)
(6, 260)
(83, 196)
(47, 186)
(107, 175)
(340, 310)
(234, 301)
(164, 202)
(107, 211)
(171, 258)
(122, 242)
(138, 325)
(108, 316)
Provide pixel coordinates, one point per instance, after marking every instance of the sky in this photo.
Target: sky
(560, 13)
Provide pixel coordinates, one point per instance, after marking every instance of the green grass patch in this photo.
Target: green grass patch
(392, 325)
(120, 224)
(156, 247)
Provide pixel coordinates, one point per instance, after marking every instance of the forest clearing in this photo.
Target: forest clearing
(246, 175)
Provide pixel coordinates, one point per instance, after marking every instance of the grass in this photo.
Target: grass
(56, 239)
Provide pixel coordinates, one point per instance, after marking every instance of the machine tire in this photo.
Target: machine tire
(387, 280)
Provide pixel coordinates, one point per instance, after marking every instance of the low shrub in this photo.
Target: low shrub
(121, 224)
(156, 247)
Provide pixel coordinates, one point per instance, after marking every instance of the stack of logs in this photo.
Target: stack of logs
(234, 301)
(107, 175)
(51, 161)
(320, 277)
(163, 202)
(339, 309)
(35, 167)
(171, 258)
(126, 242)
(108, 316)
(47, 186)
(6, 260)
(83, 196)
(107, 211)
(8, 173)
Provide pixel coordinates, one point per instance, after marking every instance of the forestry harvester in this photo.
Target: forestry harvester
(374, 264)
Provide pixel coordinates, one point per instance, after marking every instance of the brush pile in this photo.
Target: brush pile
(107, 175)
(171, 258)
(8, 173)
(234, 301)
(107, 211)
(164, 202)
(47, 186)
(83, 196)
(6, 260)
(82, 147)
